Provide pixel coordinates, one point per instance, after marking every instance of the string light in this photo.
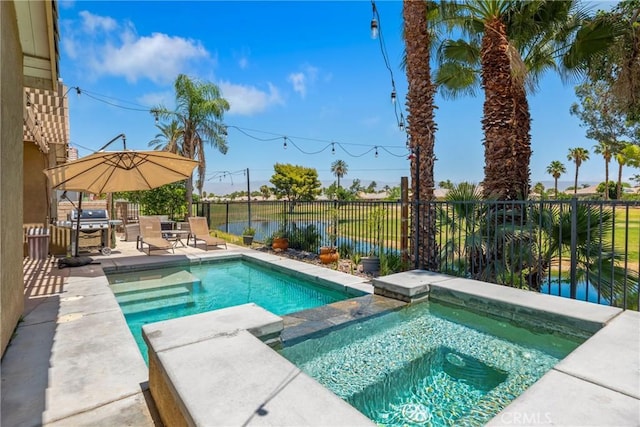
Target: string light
(376, 154)
(374, 22)
(286, 139)
(383, 49)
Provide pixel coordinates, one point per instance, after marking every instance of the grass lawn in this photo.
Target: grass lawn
(627, 234)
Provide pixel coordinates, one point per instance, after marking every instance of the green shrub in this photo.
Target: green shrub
(345, 250)
(304, 238)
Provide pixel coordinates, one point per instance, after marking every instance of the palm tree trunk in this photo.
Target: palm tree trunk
(606, 179)
(555, 186)
(420, 98)
(619, 184)
(189, 152)
(498, 112)
(575, 184)
(521, 144)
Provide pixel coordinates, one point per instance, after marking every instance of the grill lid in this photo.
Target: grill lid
(90, 215)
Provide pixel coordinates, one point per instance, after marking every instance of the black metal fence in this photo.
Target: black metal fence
(363, 228)
(588, 250)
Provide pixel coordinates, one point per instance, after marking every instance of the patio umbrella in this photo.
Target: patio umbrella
(112, 171)
(127, 170)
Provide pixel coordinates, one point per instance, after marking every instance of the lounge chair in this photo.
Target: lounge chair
(151, 234)
(200, 232)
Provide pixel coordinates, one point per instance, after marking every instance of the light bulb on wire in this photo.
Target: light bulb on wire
(285, 143)
(374, 22)
(376, 153)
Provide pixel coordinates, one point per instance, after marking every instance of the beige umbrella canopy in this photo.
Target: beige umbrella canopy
(113, 171)
(127, 170)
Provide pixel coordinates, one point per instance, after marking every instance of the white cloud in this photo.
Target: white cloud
(298, 80)
(105, 46)
(242, 57)
(69, 46)
(159, 57)
(301, 80)
(92, 23)
(247, 100)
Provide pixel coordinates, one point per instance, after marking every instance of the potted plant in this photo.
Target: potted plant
(280, 240)
(329, 254)
(371, 263)
(247, 235)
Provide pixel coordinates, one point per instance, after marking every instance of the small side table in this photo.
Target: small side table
(176, 236)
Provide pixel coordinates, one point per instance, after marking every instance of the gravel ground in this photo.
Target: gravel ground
(343, 265)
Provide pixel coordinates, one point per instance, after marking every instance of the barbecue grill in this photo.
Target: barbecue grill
(94, 229)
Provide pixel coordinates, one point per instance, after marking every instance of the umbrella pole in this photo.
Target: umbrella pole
(77, 236)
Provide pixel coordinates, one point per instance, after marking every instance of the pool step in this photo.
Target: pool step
(133, 297)
(144, 306)
(179, 278)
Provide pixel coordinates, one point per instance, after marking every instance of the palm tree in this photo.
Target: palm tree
(169, 138)
(578, 155)
(339, 168)
(508, 47)
(421, 124)
(555, 169)
(199, 110)
(607, 150)
(599, 262)
(618, 66)
(629, 154)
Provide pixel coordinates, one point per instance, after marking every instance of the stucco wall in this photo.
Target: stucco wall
(11, 110)
(36, 202)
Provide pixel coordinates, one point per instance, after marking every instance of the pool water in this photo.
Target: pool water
(584, 291)
(153, 295)
(430, 364)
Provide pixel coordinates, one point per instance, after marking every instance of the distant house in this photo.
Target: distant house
(589, 191)
(440, 193)
(373, 196)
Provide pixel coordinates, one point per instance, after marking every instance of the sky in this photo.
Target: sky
(306, 70)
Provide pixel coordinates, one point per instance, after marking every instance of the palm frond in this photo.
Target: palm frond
(455, 80)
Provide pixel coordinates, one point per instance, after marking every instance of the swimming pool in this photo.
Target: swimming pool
(430, 364)
(148, 296)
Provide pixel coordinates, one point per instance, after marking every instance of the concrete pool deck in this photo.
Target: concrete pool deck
(74, 362)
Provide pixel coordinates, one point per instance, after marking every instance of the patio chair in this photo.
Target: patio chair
(200, 232)
(151, 234)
